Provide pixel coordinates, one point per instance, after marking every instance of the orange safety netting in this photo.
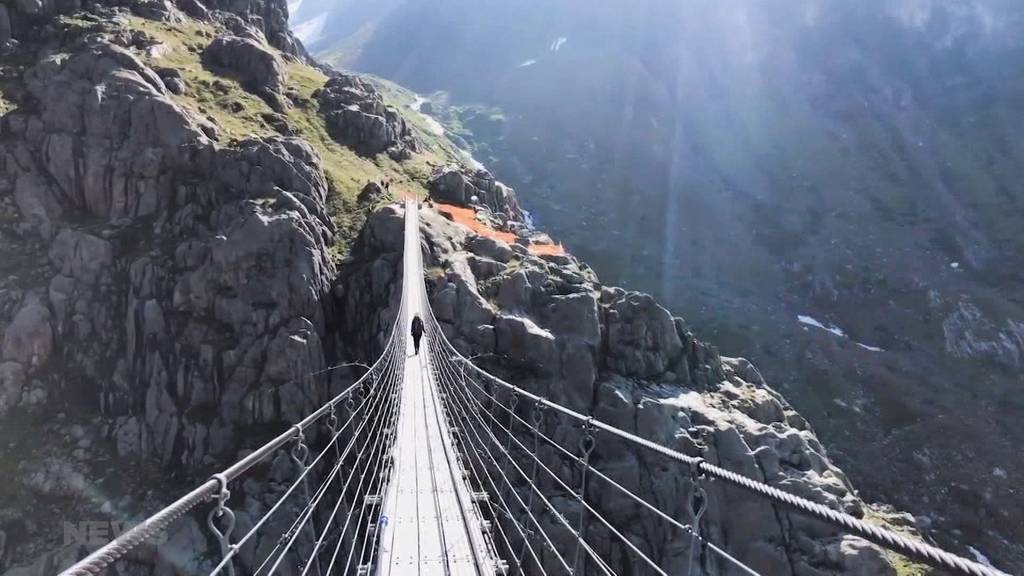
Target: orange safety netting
(467, 217)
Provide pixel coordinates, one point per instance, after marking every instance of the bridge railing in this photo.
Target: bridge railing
(351, 464)
(528, 461)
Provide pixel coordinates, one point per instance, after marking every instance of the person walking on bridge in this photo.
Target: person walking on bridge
(417, 332)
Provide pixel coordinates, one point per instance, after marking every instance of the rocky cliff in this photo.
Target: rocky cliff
(179, 186)
(548, 325)
(173, 209)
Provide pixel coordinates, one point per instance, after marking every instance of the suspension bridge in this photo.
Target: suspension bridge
(428, 464)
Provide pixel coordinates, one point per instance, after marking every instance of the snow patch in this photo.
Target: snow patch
(812, 322)
(999, 472)
(311, 30)
(871, 348)
(557, 44)
(527, 63)
(834, 330)
(954, 265)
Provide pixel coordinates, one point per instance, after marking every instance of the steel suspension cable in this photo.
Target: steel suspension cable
(310, 505)
(515, 493)
(465, 424)
(392, 425)
(690, 530)
(266, 516)
(506, 510)
(565, 487)
(160, 521)
(586, 546)
(885, 538)
(344, 490)
(316, 500)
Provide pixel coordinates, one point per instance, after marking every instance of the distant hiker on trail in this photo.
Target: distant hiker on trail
(417, 332)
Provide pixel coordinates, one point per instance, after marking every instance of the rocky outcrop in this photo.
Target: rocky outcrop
(546, 325)
(162, 292)
(969, 334)
(256, 67)
(357, 117)
(475, 187)
(268, 17)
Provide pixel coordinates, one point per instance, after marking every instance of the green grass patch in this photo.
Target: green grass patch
(237, 114)
(904, 566)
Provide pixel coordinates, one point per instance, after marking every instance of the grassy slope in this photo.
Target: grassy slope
(239, 114)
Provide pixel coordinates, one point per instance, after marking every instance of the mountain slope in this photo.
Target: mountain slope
(856, 164)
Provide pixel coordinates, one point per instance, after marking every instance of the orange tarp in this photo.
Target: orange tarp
(467, 217)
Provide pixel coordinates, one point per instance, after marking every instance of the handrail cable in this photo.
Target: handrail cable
(560, 483)
(316, 500)
(593, 554)
(684, 527)
(504, 508)
(344, 490)
(885, 538)
(266, 516)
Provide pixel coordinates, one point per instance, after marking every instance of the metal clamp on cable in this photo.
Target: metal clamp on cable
(219, 511)
(587, 441)
(332, 421)
(299, 451)
(698, 505)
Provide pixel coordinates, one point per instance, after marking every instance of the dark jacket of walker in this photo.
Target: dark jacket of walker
(417, 331)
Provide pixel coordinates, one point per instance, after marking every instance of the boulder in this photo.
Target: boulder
(82, 256)
(172, 79)
(255, 65)
(28, 339)
(523, 342)
(12, 381)
(642, 339)
(357, 117)
(490, 248)
(457, 185)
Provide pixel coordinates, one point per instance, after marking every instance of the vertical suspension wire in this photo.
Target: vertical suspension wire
(469, 447)
(290, 536)
(555, 513)
(445, 373)
(382, 421)
(586, 447)
(541, 404)
(592, 554)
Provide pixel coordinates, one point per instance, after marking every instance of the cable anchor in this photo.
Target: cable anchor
(222, 511)
(699, 505)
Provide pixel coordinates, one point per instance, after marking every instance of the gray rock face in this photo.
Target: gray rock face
(460, 186)
(257, 67)
(642, 339)
(109, 157)
(969, 334)
(178, 287)
(12, 381)
(357, 117)
(269, 17)
(28, 339)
